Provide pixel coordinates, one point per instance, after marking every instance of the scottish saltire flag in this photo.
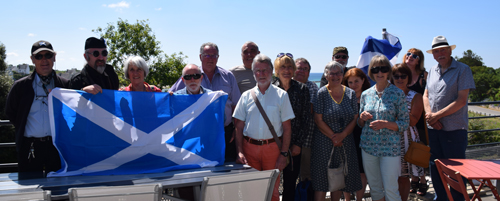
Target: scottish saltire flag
(118, 132)
(372, 47)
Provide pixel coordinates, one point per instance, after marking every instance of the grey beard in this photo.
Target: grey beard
(100, 69)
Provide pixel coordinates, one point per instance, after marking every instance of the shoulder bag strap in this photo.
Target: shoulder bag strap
(263, 113)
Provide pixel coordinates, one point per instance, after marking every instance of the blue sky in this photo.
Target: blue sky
(309, 29)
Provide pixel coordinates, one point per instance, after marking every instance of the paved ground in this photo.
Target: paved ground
(485, 194)
(483, 111)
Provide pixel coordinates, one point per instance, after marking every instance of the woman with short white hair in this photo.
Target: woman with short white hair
(136, 69)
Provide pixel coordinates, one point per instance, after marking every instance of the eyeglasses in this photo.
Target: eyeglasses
(340, 56)
(335, 74)
(303, 69)
(207, 56)
(46, 55)
(412, 55)
(104, 53)
(397, 77)
(284, 54)
(383, 69)
(190, 76)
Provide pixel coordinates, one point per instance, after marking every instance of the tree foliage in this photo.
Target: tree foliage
(125, 39)
(487, 84)
(7, 155)
(3, 56)
(470, 58)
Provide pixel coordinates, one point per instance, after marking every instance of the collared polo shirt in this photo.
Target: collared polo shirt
(443, 88)
(222, 80)
(244, 77)
(277, 106)
(37, 122)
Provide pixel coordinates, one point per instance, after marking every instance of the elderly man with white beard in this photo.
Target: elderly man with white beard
(255, 144)
(96, 74)
(191, 76)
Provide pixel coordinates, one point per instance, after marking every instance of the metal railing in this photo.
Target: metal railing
(493, 148)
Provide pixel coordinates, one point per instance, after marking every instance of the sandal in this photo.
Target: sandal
(422, 189)
(414, 187)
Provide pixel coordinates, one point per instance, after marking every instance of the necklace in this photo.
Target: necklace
(380, 93)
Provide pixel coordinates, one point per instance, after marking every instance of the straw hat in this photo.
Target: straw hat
(439, 42)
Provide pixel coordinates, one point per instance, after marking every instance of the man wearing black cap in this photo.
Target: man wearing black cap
(341, 55)
(27, 109)
(96, 74)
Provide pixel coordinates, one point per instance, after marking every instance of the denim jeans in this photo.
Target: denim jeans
(446, 145)
(382, 174)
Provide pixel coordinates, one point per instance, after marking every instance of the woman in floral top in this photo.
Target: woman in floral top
(383, 116)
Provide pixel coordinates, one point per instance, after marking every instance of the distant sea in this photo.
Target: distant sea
(315, 77)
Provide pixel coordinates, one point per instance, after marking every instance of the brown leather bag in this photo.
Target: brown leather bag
(271, 127)
(418, 154)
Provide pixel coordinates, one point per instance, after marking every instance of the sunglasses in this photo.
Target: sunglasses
(104, 53)
(284, 54)
(397, 77)
(383, 69)
(190, 76)
(340, 56)
(412, 55)
(46, 55)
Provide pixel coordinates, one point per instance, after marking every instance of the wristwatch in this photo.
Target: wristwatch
(284, 153)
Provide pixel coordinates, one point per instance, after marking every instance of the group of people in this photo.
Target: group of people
(285, 121)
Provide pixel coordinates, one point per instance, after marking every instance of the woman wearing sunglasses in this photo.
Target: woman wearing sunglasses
(383, 115)
(298, 94)
(136, 69)
(414, 59)
(335, 114)
(401, 77)
(356, 79)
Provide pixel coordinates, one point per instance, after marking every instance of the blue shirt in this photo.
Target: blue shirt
(37, 122)
(222, 80)
(443, 88)
(391, 107)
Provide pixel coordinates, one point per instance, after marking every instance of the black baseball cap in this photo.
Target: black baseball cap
(41, 45)
(93, 42)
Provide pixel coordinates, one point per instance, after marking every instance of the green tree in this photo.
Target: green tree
(487, 84)
(125, 39)
(7, 155)
(470, 58)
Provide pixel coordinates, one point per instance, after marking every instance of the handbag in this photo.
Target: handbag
(304, 191)
(336, 176)
(418, 154)
(271, 127)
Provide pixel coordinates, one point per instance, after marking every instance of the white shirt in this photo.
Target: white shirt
(277, 106)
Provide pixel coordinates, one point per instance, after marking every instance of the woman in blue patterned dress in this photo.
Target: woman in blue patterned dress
(383, 115)
(401, 77)
(335, 114)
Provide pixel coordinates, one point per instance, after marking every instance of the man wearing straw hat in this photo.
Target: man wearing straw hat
(445, 104)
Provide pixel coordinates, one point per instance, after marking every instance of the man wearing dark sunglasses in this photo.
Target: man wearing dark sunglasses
(217, 78)
(243, 73)
(96, 74)
(341, 55)
(27, 109)
(191, 76)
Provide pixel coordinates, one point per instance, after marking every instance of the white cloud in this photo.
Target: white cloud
(122, 4)
(13, 54)
(81, 28)
(31, 35)
(158, 9)
(61, 52)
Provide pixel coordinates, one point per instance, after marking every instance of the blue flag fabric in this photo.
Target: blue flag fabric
(372, 47)
(118, 132)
